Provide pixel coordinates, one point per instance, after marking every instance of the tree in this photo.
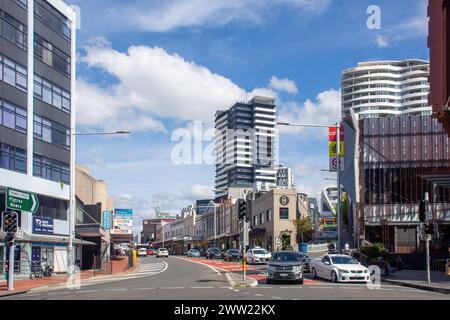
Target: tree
(304, 228)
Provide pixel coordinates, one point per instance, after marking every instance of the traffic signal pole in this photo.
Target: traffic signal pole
(11, 267)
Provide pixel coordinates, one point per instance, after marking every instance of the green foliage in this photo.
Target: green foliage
(377, 250)
(304, 228)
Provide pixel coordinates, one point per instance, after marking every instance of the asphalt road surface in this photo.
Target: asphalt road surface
(176, 278)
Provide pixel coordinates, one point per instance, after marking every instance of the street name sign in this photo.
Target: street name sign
(21, 200)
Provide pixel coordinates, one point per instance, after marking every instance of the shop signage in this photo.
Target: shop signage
(284, 200)
(42, 225)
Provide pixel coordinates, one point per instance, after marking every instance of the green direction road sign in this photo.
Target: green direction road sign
(21, 200)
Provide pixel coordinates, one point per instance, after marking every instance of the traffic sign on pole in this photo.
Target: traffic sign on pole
(21, 200)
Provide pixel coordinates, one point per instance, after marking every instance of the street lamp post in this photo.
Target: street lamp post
(338, 169)
(70, 249)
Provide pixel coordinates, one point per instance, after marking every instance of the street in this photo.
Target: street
(180, 278)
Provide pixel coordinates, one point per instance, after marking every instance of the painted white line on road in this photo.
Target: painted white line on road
(320, 287)
(344, 288)
(144, 288)
(203, 264)
(258, 294)
(225, 287)
(88, 291)
(115, 289)
(172, 288)
(202, 287)
(276, 297)
(236, 290)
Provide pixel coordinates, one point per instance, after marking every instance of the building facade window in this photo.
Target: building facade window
(52, 208)
(13, 74)
(51, 94)
(12, 158)
(284, 213)
(255, 220)
(22, 3)
(261, 218)
(51, 55)
(13, 117)
(50, 169)
(12, 30)
(52, 18)
(51, 132)
(269, 215)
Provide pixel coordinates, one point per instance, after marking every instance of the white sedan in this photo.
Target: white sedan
(258, 255)
(339, 268)
(162, 252)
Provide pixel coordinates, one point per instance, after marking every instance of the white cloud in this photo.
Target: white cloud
(201, 192)
(325, 110)
(382, 41)
(286, 85)
(166, 15)
(413, 27)
(152, 84)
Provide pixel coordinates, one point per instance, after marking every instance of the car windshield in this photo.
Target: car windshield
(194, 250)
(287, 257)
(260, 251)
(233, 251)
(161, 249)
(344, 260)
(215, 250)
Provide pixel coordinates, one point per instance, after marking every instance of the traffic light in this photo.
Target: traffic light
(429, 228)
(242, 209)
(9, 222)
(9, 239)
(422, 209)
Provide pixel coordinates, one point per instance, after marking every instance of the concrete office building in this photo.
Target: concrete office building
(285, 177)
(245, 145)
(37, 86)
(386, 88)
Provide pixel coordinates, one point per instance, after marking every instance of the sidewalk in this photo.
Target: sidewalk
(440, 282)
(24, 285)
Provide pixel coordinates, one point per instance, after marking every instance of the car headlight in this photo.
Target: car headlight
(366, 271)
(297, 268)
(343, 271)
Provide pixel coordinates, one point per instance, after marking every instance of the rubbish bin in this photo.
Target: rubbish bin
(303, 247)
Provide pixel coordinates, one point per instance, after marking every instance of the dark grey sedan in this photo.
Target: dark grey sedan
(285, 266)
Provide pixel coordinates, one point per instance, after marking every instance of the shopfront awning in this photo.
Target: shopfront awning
(52, 239)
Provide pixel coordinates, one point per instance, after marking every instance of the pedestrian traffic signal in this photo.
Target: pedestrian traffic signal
(429, 228)
(9, 240)
(242, 209)
(422, 209)
(9, 222)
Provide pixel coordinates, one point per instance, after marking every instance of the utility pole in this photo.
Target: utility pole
(427, 239)
(11, 265)
(338, 153)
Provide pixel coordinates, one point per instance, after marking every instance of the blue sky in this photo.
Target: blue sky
(158, 65)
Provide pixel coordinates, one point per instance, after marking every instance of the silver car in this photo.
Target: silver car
(285, 266)
(194, 253)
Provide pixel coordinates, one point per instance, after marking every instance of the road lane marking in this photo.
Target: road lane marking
(258, 294)
(202, 287)
(115, 289)
(88, 291)
(144, 288)
(172, 288)
(276, 297)
(203, 264)
(321, 287)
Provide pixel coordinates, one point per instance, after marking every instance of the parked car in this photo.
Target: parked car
(285, 266)
(162, 252)
(142, 252)
(150, 252)
(232, 255)
(213, 253)
(339, 268)
(193, 253)
(258, 255)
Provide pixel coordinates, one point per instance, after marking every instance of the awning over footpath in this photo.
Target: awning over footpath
(49, 239)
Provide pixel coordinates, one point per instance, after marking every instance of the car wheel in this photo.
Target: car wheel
(333, 277)
(313, 273)
(301, 281)
(269, 281)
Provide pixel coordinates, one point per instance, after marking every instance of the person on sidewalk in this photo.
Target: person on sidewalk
(7, 275)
